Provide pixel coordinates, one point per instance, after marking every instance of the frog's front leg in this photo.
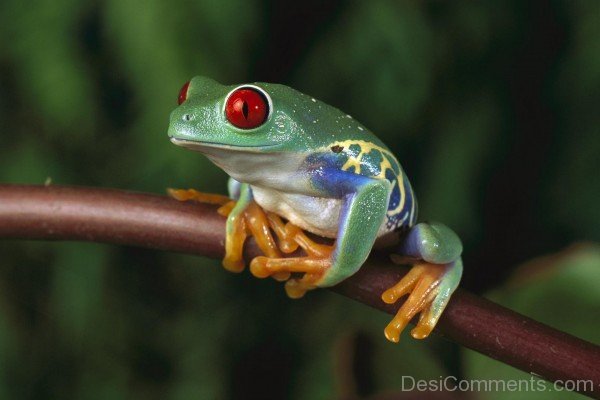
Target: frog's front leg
(364, 205)
(201, 197)
(236, 232)
(430, 282)
(244, 218)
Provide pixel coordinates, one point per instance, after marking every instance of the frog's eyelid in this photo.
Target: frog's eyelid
(183, 93)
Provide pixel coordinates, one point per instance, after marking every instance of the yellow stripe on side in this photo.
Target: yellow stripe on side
(356, 162)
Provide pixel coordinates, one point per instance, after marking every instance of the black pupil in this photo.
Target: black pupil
(245, 109)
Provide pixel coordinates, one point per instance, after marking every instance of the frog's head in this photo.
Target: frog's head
(257, 118)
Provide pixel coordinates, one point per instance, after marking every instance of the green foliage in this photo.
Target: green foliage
(491, 108)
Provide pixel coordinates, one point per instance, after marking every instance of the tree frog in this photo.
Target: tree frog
(297, 165)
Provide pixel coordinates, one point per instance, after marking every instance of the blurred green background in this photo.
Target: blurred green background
(492, 108)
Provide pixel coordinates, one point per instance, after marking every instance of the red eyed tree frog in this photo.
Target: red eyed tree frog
(293, 158)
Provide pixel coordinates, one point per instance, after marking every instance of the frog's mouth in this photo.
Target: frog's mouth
(250, 164)
(203, 147)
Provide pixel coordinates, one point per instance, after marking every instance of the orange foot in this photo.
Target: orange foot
(313, 266)
(234, 245)
(422, 284)
(254, 221)
(194, 195)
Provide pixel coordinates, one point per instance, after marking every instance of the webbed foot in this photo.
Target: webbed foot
(429, 287)
(252, 221)
(200, 197)
(313, 266)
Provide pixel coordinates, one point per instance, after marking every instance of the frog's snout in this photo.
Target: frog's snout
(179, 123)
(187, 117)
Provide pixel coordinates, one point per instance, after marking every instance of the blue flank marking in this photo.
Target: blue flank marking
(403, 218)
(329, 178)
(395, 196)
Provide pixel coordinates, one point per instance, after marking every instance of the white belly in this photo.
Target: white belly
(318, 215)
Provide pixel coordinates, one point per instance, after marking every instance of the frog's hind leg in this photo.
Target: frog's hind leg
(449, 280)
(429, 287)
(430, 283)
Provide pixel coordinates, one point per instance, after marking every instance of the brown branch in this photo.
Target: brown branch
(119, 217)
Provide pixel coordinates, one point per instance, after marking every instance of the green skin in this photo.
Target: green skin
(320, 169)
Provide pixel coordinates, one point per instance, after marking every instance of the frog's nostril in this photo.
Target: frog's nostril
(187, 117)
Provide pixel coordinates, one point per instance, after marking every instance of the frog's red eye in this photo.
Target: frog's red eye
(183, 93)
(246, 108)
